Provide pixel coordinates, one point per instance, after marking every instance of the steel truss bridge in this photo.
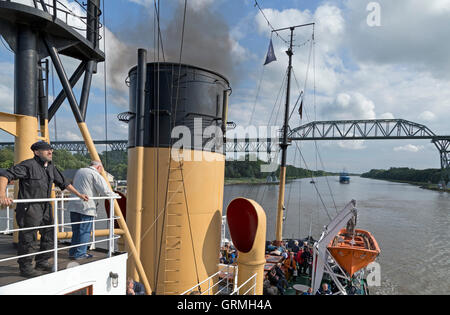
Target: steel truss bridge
(375, 129)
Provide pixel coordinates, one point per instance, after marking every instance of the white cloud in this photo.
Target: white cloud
(352, 144)
(351, 105)
(409, 148)
(427, 116)
(411, 34)
(386, 116)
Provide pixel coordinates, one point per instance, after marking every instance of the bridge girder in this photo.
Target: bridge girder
(361, 130)
(374, 129)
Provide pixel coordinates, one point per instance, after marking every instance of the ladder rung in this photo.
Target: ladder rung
(174, 192)
(175, 281)
(175, 248)
(169, 270)
(173, 259)
(175, 203)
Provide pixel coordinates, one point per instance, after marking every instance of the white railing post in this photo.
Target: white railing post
(111, 226)
(7, 212)
(93, 236)
(55, 238)
(236, 271)
(62, 212)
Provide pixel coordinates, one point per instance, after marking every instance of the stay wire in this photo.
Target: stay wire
(160, 40)
(314, 182)
(312, 51)
(257, 95)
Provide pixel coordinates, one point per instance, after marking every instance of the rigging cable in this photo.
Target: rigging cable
(312, 49)
(170, 152)
(312, 178)
(256, 97)
(268, 124)
(105, 85)
(160, 41)
(270, 25)
(280, 93)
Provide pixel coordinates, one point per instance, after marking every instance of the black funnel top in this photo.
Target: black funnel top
(177, 95)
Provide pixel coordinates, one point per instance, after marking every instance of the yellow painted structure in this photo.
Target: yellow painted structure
(181, 216)
(280, 207)
(121, 220)
(25, 131)
(247, 223)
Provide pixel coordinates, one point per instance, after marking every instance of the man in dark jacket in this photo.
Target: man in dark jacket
(36, 177)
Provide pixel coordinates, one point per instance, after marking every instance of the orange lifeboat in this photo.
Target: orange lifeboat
(353, 253)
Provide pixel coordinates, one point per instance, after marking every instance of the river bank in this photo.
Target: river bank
(261, 181)
(422, 185)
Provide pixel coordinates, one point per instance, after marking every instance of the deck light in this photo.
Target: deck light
(114, 279)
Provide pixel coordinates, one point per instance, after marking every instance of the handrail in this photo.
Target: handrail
(61, 7)
(110, 239)
(236, 291)
(208, 280)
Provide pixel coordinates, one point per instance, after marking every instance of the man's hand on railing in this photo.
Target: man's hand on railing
(76, 193)
(5, 201)
(84, 197)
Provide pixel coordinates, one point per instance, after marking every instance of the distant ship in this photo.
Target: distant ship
(344, 178)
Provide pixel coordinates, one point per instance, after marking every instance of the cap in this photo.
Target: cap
(41, 145)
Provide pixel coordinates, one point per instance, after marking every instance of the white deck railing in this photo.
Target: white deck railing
(110, 239)
(225, 281)
(71, 12)
(237, 291)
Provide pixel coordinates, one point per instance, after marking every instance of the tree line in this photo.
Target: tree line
(252, 169)
(116, 162)
(430, 175)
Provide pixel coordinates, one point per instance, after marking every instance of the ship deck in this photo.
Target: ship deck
(9, 270)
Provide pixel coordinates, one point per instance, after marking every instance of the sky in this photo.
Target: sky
(370, 59)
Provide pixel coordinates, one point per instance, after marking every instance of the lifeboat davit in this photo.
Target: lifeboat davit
(355, 252)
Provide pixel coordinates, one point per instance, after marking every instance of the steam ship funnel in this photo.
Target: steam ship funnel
(175, 123)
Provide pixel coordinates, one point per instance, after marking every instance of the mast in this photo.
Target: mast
(284, 145)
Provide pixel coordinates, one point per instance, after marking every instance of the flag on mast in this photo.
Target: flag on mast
(300, 110)
(270, 54)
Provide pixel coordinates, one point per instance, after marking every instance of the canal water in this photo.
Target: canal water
(410, 224)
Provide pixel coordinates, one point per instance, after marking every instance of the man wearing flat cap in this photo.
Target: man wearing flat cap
(36, 177)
